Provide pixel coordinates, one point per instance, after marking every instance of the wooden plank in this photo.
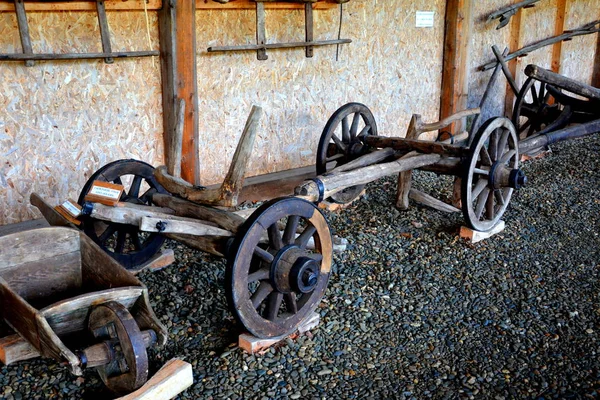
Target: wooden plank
(287, 45)
(455, 71)
(261, 32)
(35, 245)
(77, 56)
(596, 71)
(514, 43)
(476, 236)
(173, 378)
(187, 226)
(104, 31)
(562, 82)
(14, 348)
(127, 213)
(559, 27)
(24, 30)
(53, 217)
(251, 5)
(23, 226)
(430, 201)
(111, 5)
(177, 26)
(70, 315)
(309, 29)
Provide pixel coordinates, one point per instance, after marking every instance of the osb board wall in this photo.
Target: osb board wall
(391, 66)
(60, 121)
(537, 23)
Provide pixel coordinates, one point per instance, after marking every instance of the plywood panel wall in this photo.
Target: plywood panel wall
(391, 66)
(62, 120)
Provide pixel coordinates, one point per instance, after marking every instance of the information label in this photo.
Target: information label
(425, 19)
(105, 192)
(71, 208)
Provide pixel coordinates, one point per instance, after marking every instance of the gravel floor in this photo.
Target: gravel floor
(412, 311)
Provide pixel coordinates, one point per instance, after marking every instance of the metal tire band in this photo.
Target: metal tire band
(321, 188)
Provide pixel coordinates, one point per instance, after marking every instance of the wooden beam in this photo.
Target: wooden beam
(177, 26)
(559, 27)
(251, 5)
(514, 44)
(111, 5)
(596, 71)
(455, 73)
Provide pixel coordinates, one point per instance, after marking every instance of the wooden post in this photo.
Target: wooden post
(514, 44)
(177, 27)
(455, 73)
(559, 28)
(596, 72)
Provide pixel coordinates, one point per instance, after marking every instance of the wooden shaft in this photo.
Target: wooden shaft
(308, 27)
(562, 82)
(420, 127)
(103, 353)
(338, 182)
(505, 69)
(104, 31)
(216, 245)
(366, 160)
(24, 30)
(421, 146)
(77, 56)
(541, 141)
(445, 166)
(289, 45)
(188, 226)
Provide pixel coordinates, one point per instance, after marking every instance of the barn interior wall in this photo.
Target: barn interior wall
(61, 121)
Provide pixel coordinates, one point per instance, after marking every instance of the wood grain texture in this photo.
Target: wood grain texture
(173, 378)
(14, 348)
(123, 5)
(559, 27)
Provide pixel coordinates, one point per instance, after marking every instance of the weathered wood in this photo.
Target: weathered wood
(186, 226)
(417, 127)
(14, 348)
(308, 28)
(273, 5)
(104, 31)
(8, 5)
(562, 82)
(505, 68)
(505, 13)
(366, 160)
(336, 183)
(70, 315)
(430, 201)
(533, 143)
(182, 188)
(53, 217)
(163, 259)
(173, 378)
(77, 56)
(586, 29)
(127, 213)
(422, 146)
(455, 72)
(288, 45)
(177, 27)
(234, 180)
(559, 27)
(513, 43)
(23, 226)
(24, 30)
(477, 236)
(184, 208)
(176, 139)
(216, 245)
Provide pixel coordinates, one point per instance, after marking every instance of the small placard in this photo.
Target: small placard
(104, 193)
(425, 19)
(70, 210)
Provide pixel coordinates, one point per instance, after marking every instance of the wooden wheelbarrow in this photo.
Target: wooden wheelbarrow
(71, 302)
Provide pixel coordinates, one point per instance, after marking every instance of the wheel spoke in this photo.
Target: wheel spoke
(503, 141)
(121, 237)
(275, 237)
(525, 126)
(542, 94)
(334, 158)
(481, 171)
(485, 157)
(275, 300)
(499, 197)
(481, 184)
(263, 255)
(259, 275)
(345, 130)
(290, 302)
(506, 157)
(338, 142)
(134, 191)
(481, 200)
(534, 95)
(354, 128)
(290, 229)
(493, 149)
(264, 289)
(303, 239)
(118, 181)
(490, 205)
(110, 230)
(147, 196)
(135, 238)
(364, 132)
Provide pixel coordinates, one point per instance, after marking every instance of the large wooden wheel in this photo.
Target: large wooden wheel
(128, 369)
(537, 110)
(342, 141)
(491, 173)
(125, 243)
(278, 267)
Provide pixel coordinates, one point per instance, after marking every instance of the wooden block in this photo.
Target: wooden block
(104, 193)
(14, 348)
(173, 378)
(332, 207)
(477, 236)
(162, 260)
(536, 156)
(251, 344)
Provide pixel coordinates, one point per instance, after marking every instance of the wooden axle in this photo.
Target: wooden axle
(105, 352)
(533, 143)
(422, 146)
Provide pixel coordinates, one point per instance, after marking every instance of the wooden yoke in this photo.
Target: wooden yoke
(415, 129)
(227, 194)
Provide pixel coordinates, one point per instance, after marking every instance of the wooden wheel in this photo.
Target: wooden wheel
(128, 370)
(125, 243)
(276, 279)
(491, 173)
(536, 110)
(342, 141)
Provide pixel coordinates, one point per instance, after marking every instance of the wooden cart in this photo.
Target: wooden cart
(61, 293)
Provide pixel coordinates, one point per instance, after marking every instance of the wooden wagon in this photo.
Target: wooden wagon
(72, 302)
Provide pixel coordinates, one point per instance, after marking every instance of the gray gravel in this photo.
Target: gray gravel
(412, 311)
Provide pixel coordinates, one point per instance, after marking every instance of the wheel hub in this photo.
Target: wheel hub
(502, 177)
(292, 270)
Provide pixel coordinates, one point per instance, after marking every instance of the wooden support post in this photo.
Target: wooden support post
(308, 26)
(596, 71)
(559, 28)
(455, 73)
(177, 27)
(514, 44)
(104, 31)
(24, 31)
(261, 32)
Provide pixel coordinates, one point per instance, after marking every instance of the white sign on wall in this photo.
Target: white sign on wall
(425, 19)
